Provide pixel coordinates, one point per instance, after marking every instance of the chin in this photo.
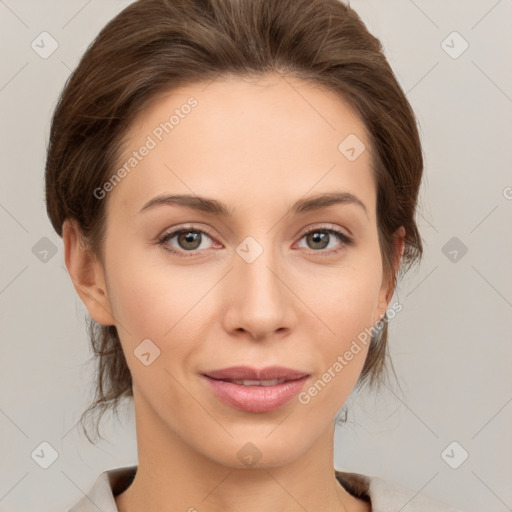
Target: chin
(262, 451)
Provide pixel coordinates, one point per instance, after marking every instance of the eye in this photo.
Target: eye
(320, 238)
(189, 240)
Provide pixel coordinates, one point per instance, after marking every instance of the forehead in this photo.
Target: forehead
(245, 138)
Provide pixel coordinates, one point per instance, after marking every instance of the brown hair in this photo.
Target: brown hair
(153, 46)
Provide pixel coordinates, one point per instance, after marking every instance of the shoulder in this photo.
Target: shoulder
(389, 496)
(101, 494)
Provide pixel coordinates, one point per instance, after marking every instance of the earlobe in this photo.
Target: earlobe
(87, 274)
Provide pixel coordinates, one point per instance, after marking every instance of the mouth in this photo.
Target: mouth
(256, 395)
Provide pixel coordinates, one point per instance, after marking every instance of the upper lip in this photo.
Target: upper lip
(249, 373)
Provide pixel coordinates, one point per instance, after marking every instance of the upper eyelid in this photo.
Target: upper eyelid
(326, 227)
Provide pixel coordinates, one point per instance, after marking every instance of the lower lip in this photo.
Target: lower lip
(255, 398)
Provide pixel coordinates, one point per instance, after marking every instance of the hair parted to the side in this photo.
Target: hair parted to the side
(153, 46)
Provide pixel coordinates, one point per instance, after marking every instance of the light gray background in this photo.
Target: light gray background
(451, 343)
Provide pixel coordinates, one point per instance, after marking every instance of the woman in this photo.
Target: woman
(235, 183)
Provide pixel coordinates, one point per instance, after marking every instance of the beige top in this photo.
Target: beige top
(384, 495)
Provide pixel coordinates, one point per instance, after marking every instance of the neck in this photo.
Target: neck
(171, 475)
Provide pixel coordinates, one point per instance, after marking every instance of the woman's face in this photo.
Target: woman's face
(246, 286)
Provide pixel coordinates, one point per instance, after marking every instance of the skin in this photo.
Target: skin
(257, 146)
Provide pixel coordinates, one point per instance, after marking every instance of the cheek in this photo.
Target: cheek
(151, 299)
(351, 303)
(160, 302)
(163, 302)
(345, 298)
(345, 302)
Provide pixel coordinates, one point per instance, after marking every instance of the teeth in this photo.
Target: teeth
(272, 382)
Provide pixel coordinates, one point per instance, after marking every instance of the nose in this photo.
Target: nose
(260, 301)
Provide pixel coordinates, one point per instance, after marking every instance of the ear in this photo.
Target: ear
(387, 289)
(87, 273)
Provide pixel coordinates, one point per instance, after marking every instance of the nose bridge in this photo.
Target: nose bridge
(260, 299)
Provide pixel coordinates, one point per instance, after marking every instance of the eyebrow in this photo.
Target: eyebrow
(207, 205)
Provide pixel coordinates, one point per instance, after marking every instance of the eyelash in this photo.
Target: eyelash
(344, 239)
